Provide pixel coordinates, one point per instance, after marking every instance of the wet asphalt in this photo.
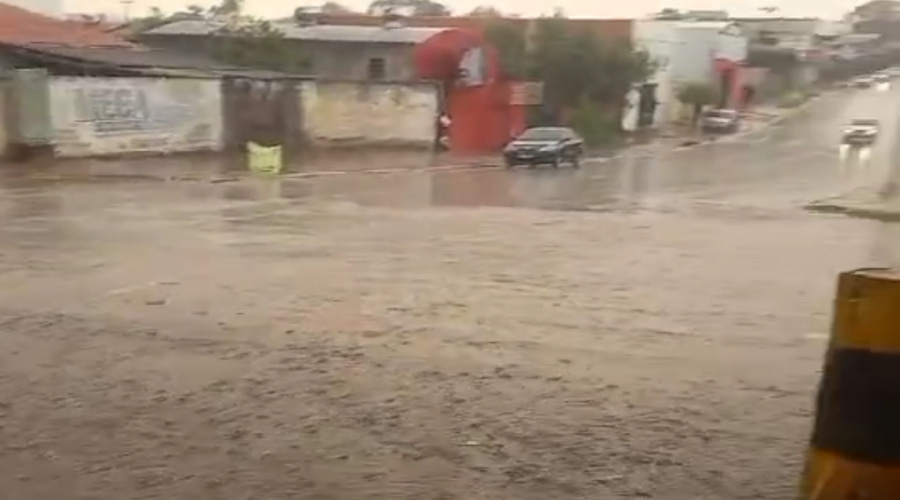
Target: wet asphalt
(648, 326)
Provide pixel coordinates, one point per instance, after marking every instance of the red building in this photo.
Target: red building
(477, 96)
(486, 109)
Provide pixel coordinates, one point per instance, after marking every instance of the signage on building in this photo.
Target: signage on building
(526, 93)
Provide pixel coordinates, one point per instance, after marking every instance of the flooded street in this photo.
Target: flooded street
(649, 326)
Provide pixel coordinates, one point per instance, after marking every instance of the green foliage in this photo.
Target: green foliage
(669, 14)
(596, 127)
(332, 7)
(241, 41)
(485, 11)
(579, 70)
(580, 67)
(698, 94)
(509, 40)
(409, 7)
(258, 44)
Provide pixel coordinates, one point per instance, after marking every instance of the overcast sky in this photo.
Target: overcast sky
(831, 9)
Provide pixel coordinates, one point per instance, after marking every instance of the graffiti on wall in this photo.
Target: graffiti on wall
(97, 116)
(126, 110)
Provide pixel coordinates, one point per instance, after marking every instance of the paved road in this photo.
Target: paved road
(646, 327)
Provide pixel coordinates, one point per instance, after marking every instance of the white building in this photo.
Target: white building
(48, 7)
(685, 52)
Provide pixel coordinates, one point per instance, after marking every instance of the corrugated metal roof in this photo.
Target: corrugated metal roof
(319, 32)
(141, 58)
(709, 25)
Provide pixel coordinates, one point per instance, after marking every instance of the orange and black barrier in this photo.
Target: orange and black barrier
(854, 452)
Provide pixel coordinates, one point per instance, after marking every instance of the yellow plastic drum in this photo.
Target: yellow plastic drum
(264, 160)
(854, 452)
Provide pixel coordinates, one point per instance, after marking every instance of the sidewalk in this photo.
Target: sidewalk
(867, 205)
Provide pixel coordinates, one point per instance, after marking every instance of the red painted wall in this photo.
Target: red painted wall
(482, 120)
(735, 92)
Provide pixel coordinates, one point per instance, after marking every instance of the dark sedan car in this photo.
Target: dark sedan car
(545, 145)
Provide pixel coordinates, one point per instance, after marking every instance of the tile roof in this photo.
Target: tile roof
(319, 32)
(23, 27)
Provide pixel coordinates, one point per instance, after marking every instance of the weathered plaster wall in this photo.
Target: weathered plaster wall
(343, 113)
(109, 116)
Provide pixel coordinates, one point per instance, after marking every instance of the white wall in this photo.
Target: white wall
(107, 116)
(660, 40)
(692, 60)
(731, 47)
(343, 113)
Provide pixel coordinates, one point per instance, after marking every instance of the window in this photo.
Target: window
(377, 70)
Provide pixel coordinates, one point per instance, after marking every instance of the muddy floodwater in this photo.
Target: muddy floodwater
(650, 326)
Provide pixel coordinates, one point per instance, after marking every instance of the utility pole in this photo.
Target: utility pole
(126, 8)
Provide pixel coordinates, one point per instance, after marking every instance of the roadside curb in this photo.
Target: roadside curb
(857, 208)
(745, 133)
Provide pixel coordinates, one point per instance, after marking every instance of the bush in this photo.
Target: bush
(597, 128)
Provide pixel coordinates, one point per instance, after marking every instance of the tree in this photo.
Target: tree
(669, 14)
(485, 11)
(227, 8)
(575, 66)
(244, 41)
(584, 77)
(698, 95)
(408, 7)
(335, 8)
(510, 41)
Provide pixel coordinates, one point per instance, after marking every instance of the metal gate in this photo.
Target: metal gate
(266, 112)
(32, 124)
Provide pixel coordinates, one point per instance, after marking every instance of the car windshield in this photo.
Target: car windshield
(864, 123)
(545, 134)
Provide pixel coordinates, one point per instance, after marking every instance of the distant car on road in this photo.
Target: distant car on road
(545, 145)
(861, 132)
(727, 121)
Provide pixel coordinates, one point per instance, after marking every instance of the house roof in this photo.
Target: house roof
(23, 27)
(707, 25)
(319, 32)
(146, 60)
(604, 28)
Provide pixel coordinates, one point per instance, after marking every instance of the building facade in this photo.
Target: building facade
(686, 52)
(358, 53)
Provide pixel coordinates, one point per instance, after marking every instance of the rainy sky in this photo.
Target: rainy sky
(829, 9)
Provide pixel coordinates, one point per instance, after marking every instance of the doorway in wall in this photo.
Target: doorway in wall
(646, 105)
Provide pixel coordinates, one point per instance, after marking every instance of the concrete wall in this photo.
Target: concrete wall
(731, 47)
(698, 45)
(350, 61)
(343, 113)
(108, 116)
(659, 39)
(694, 53)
